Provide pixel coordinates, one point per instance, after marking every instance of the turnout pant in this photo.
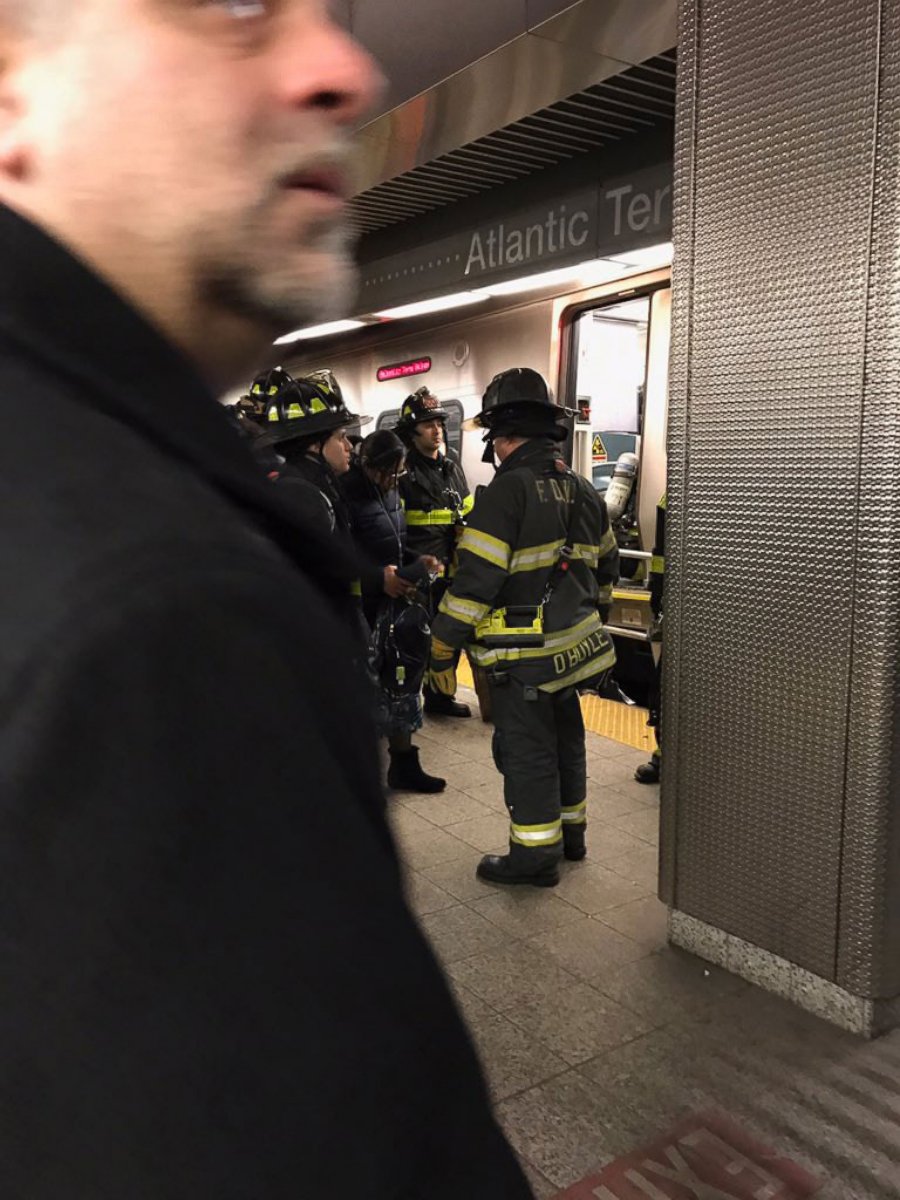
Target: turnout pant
(539, 750)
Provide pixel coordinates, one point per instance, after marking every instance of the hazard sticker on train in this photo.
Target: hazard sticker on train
(598, 450)
(706, 1157)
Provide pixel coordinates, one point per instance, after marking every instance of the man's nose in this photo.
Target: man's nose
(325, 68)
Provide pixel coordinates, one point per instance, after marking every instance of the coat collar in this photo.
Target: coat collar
(55, 310)
(536, 453)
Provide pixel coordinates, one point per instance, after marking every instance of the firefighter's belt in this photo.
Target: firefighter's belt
(516, 625)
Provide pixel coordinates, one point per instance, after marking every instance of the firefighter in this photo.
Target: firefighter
(649, 772)
(525, 600)
(435, 496)
(307, 419)
(298, 433)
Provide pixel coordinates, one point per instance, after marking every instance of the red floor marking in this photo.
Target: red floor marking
(706, 1157)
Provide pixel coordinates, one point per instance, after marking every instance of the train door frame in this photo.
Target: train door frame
(630, 617)
(563, 349)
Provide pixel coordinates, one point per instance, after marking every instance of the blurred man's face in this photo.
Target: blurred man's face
(428, 436)
(197, 152)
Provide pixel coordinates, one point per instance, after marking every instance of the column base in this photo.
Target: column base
(819, 996)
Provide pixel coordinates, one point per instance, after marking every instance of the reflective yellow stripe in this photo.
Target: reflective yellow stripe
(662, 501)
(554, 643)
(603, 663)
(604, 596)
(467, 505)
(658, 564)
(608, 542)
(483, 545)
(536, 835)
(469, 612)
(532, 558)
(587, 553)
(437, 516)
(574, 814)
(356, 588)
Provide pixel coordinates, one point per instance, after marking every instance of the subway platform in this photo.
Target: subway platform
(607, 1050)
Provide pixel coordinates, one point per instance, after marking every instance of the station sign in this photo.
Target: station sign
(403, 370)
(610, 217)
(708, 1156)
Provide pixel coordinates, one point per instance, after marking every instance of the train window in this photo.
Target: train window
(611, 378)
(388, 419)
(454, 409)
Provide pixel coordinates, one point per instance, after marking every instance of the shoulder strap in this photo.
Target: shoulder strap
(561, 566)
(575, 511)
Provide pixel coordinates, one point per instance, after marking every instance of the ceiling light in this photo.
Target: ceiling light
(318, 331)
(436, 304)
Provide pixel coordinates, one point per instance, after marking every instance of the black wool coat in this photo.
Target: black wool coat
(211, 985)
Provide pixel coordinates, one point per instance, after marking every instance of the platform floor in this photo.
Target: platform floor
(596, 1036)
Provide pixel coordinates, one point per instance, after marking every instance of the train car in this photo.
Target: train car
(600, 335)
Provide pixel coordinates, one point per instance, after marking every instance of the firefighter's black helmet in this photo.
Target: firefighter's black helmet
(289, 408)
(422, 405)
(519, 396)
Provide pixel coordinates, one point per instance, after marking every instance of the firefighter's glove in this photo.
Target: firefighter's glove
(442, 669)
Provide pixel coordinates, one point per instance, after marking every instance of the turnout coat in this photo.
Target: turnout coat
(510, 551)
(212, 986)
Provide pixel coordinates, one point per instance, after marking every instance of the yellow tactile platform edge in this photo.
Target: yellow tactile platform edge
(622, 722)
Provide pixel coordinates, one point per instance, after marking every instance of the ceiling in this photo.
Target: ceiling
(633, 102)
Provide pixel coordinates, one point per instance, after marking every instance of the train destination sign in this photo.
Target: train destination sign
(610, 217)
(415, 366)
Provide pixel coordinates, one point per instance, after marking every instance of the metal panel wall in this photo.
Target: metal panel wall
(781, 644)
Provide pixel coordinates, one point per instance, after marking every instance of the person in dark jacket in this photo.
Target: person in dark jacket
(379, 527)
(212, 986)
(534, 561)
(436, 500)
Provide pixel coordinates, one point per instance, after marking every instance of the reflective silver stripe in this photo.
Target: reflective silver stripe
(483, 545)
(574, 813)
(588, 553)
(603, 663)
(536, 835)
(469, 612)
(533, 557)
(554, 643)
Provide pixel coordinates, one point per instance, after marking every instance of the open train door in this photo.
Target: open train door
(613, 370)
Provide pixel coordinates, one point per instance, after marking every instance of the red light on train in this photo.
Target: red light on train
(416, 366)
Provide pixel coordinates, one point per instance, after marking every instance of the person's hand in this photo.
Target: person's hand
(433, 564)
(441, 668)
(394, 586)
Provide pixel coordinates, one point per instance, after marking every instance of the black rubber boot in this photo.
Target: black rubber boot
(648, 772)
(503, 868)
(406, 775)
(439, 705)
(573, 842)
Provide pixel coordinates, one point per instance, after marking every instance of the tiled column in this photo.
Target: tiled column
(781, 819)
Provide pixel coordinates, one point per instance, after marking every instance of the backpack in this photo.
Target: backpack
(399, 646)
